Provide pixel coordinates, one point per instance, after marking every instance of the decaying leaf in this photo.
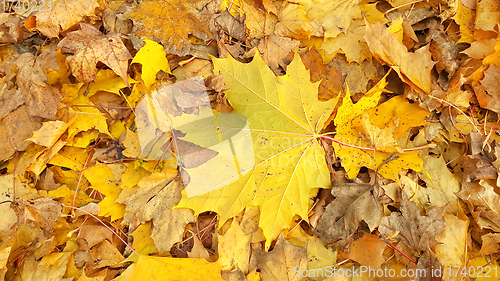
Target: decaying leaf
(416, 231)
(343, 215)
(90, 46)
(159, 20)
(278, 264)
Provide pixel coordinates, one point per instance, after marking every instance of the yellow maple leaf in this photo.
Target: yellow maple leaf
(348, 122)
(151, 52)
(284, 118)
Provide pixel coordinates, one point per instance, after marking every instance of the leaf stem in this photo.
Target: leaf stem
(430, 145)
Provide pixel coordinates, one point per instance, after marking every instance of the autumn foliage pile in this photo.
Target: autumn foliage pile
(249, 139)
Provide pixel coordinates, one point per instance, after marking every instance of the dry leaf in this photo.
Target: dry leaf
(62, 15)
(413, 68)
(90, 46)
(159, 20)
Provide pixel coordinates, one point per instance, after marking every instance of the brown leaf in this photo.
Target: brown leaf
(491, 244)
(42, 213)
(90, 46)
(413, 68)
(343, 215)
(231, 26)
(16, 128)
(415, 230)
(276, 51)
(488, 92)
(331, 80)
(171, 23)
(62, 15)
(154, 200)
(278, 264)
(32, 88)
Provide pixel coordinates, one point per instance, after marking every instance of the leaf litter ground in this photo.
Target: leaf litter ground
(116, 178)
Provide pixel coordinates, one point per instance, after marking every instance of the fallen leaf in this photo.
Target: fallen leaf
(275, 51)
(153, 199)
(293, 22)
(32, 88)
(13, 139)
(234, 249)
(348, 131)
(413, 68)
(90, 46)
(343, 215)
(451, 250)
(51, 267)
(103, 178)
(335, 16)
(279, 130)
(61, 15)
(368, 251)
(159, 20)
(487, 14)
(143, 244)
(198, 251)
(481, 199)
(491, 244)
(441, 185)
(258, 22)
(150, 52)
(278, 264)
(417, 231)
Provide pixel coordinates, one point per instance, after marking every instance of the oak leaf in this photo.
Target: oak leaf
(171, 23)
(284, 119)
(413, 68)
(90, 46)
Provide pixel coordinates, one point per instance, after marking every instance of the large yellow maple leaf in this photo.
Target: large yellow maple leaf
(285, 118)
